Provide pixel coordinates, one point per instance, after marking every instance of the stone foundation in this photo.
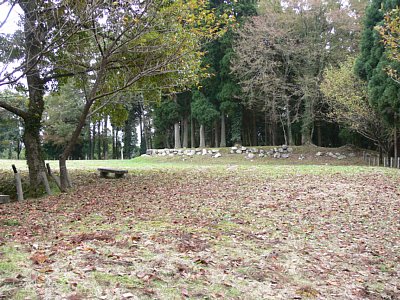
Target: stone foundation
(250, 152)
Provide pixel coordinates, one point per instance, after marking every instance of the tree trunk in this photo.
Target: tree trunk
(274, 121)
(319, 134)
(177, 136)
(99, 140)
(253, 128)
(34, 34)
(284, 131)
(236, 125)
(306, 128)
(33, 153)
(202, 137)
(245, 127)
(289, 123)
(223, 131)
(395, 139)
(114, 143)
(146, 131)
(94, 140)
(117, 144)
(65, 181)
(105, 138)
(185, 132)
(19, 148)
(90, 141)
(167, 135)
(216, 135)
(192, 131)
(128, 134)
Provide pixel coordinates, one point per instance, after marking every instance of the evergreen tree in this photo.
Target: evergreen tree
(204, 112)
(373, 63)
(222, 89)
(165, 115)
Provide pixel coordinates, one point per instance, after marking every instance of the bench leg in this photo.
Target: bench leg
(119, 175)
(103, 174)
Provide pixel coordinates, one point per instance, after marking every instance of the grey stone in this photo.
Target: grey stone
(217, 155)
(352, 155)
(290, 150)
(285, 155)
(261, 155)
(250, 156)
(239, 151)
(280, 150)
(234, 148)
(330, 154)
(341, 157)
(277, 155)
(319, 154)
(204, 152)
(284, 147)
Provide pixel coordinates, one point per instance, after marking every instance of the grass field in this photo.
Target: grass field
(207, 228)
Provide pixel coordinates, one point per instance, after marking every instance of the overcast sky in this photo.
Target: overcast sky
(11, 25)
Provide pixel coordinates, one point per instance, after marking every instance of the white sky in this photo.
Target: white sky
(11, 25)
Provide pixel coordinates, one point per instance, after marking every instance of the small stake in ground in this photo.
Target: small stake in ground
(20, 193)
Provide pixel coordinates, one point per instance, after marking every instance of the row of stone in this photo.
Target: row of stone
(241, 150)
(336, 155)
(186, 152)
(280, 152)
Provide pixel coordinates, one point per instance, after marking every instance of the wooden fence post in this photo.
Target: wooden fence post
(55, 178)
(45, 182)
(20, 192)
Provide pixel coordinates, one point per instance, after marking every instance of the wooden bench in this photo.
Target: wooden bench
(105, 171)
(4, 199)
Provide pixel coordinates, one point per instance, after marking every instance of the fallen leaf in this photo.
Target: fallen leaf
(39, 258)
(128, 295)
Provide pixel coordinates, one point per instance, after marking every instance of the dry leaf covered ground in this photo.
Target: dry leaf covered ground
(218, 231)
